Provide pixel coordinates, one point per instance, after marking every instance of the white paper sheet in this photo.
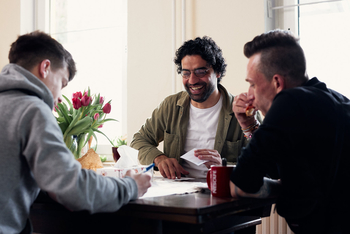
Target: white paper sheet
(163, 186)
(189, 156)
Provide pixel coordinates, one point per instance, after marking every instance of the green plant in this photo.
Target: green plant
(117, 142)
(103, 158)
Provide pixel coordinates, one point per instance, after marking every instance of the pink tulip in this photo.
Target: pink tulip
(100, 126)
(76, 103)
(96, 116)
(85, 100)
(77, 95)
(107, 108)
(101, 100)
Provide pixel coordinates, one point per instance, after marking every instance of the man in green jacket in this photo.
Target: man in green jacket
(200, 118)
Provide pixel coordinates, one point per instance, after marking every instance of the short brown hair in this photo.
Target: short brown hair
(280, 54)
(32, 48)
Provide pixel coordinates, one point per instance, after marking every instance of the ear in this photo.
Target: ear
(44, 68)
(279, 83)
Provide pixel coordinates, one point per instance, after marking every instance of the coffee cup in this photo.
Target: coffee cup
(218, 180)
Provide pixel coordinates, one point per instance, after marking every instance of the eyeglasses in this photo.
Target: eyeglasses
(199, 72)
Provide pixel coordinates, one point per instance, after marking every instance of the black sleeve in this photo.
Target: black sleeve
(269, 146)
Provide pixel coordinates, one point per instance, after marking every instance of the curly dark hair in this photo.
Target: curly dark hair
(32, 48)
(280, 54)
(207, 49)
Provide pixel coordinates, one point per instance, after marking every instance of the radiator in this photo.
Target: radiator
(274, 224)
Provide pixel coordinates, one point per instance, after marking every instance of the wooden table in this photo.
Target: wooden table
(188, 213)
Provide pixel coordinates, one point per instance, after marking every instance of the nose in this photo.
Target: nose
(250, 96)
(193, 79)
(59, 99)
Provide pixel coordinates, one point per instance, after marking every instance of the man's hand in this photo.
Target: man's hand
(143, 181)
(213, 156)
(239, 105)
(169, 167)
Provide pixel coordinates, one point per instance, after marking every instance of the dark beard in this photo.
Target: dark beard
(209, 89)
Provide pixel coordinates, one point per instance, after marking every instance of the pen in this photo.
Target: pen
(224, 162)
(148, 168)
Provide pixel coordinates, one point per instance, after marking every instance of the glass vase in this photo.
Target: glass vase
(75, 144)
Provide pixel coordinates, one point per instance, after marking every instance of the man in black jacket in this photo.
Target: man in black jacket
(304, 136)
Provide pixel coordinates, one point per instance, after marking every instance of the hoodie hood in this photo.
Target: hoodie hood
(14, 77)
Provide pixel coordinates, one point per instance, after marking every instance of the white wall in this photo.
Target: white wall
(231, 23)
(9, 27)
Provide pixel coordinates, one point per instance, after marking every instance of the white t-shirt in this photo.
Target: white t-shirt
(201, 133)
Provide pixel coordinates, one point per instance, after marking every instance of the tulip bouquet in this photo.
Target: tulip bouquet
(80, 118)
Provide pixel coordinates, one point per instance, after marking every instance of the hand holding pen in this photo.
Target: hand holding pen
(148, 168)
(143, 181)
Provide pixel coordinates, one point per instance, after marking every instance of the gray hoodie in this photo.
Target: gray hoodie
(33, 156)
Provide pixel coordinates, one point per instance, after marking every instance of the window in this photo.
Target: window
(325, 38)
(94, 32)
(322, 27)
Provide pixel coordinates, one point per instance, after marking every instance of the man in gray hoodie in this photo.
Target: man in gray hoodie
(33, 155)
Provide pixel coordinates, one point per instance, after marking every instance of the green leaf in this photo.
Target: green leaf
(106, 120)
(81, 141)
(97, 100)
(69, 102)
(87, 110)
(60, 119)
(104, 135)
(95, 139)
(63, 126)
(63, 112)
(68, 141)
(81, 126)
(72, 124)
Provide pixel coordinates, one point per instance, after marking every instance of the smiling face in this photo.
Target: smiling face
(203, 91)
(261, 92)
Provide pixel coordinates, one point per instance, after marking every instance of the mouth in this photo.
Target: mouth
(196, 89)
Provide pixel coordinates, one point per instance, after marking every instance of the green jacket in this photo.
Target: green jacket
(169, 123)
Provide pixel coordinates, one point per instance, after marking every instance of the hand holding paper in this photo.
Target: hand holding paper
(189, 156)
(211, 156)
